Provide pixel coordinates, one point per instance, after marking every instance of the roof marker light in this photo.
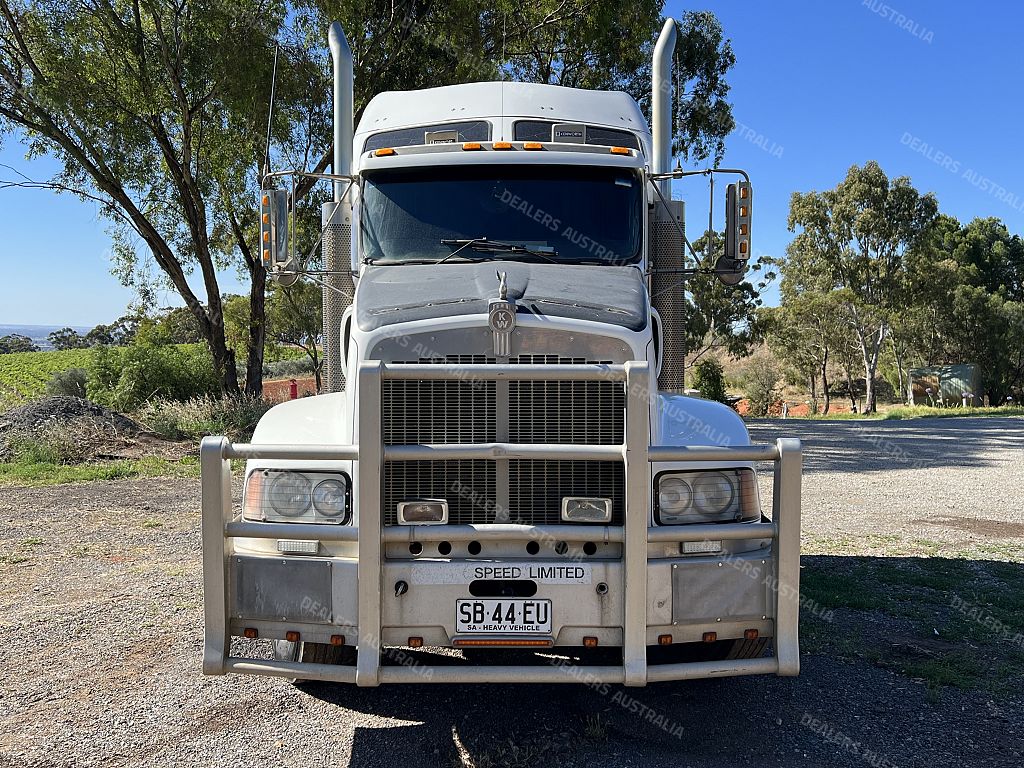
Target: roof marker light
(472, 145)
(532, 145)
(384, 152)
(619, 150)
(503, 145)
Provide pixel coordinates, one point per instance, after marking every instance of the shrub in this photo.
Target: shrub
(286, 368)
(760, 385)
(709, 379)
(64, 442)
(124, 378)
(70, 382)
(201, 416)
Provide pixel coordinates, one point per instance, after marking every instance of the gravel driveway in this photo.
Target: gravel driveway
(101, 612)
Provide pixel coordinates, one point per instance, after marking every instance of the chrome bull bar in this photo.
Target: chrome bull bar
(219, 526)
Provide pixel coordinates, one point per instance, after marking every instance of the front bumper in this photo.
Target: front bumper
(646, 595)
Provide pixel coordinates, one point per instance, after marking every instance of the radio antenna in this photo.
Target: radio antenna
(270, 111)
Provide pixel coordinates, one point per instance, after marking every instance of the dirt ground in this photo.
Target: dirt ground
(906, 526)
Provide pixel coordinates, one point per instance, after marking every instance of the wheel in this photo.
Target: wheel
(312, 653)
(747, 649)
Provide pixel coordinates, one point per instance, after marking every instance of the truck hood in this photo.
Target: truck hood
(387, 295)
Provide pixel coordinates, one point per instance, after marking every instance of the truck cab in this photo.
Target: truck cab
(506, 459)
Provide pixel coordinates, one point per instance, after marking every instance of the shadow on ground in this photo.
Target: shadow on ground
(875, 445)
(907, 659)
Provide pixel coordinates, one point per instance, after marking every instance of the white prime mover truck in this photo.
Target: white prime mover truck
(504, 457)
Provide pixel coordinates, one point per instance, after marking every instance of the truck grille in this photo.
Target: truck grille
(455, 411)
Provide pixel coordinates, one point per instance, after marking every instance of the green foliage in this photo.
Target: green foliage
(24, 375)
(123, 378)
(42, 473)
(723, 317)
(761, 384)
(709, 380)
(70, 382)
(15, 343)
(279, 369)
(294, 318)
(853, 244)
(66, 338)
(200, 416)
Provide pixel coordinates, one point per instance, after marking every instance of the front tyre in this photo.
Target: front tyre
(312, 653)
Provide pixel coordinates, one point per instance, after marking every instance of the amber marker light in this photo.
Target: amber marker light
(532, 145)
(292, 636)
(664, 639)
(590, 642)
(503, 145)
(710, 637)
(250, 633)
(750, 634)
(471, 146)
(384, 152)
(415, 642)
(337, 639)
(619, 150)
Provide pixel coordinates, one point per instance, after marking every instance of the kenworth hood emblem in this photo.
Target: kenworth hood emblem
(501, 317)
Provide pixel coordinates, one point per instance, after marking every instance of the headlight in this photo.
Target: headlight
(330, 498)
(289, 494)
(710, 496)
(276, 495)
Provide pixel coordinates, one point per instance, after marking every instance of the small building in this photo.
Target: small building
(946, 384)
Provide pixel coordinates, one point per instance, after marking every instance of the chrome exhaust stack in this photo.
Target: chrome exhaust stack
(336, 216)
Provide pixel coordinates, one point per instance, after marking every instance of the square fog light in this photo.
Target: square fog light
(423, 512)
(577, 509)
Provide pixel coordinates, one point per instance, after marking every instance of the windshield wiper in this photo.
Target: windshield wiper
(496, 246)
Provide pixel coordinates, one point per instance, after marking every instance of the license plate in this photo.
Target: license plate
(515, 617)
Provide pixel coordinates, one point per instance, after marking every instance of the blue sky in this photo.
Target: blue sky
(929, 90)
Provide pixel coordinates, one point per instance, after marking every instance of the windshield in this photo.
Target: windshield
(568, 214)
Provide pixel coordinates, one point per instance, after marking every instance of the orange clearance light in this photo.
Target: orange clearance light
(619, 150)
(415, 642)
(532, 145)
(743, 246)
(337, 639)
(266, 255)
(664, 639)
(750, 634)
(503, 145)
(266, 237)
(590, 642)
(384, 152)
(743, 211)
(292, 636)
(266, 199)
(744, 193)
(710, 637)
(251, 633)
(266, 218)
(472, 145)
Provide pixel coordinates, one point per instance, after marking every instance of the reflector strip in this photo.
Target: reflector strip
(502, 642)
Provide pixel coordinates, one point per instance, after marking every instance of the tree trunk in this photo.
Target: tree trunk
(257, 332)
(871, 368)
(824, 383)
(899, 366)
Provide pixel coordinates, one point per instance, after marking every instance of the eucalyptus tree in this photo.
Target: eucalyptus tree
(854, 239)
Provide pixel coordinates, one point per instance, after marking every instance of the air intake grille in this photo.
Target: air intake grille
(536, 488)
(455, 411)
(468, 486)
